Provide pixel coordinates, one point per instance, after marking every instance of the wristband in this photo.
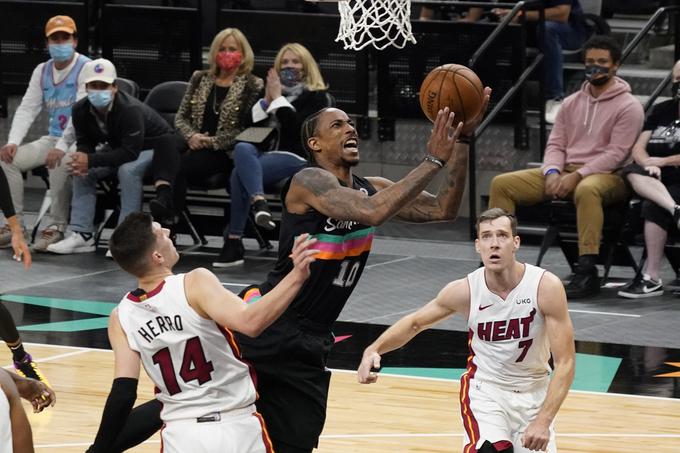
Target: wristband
(435, 160)
(463, 139)
(551, 171)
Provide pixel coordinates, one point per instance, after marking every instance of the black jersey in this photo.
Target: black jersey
(344, 247)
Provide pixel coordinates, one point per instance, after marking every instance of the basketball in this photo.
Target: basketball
(454, 86)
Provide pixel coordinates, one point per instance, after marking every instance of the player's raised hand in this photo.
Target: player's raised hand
(302, 256)
(444, 135)
(470, 125)
(370, 361)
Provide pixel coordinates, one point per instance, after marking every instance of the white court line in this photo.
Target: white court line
(334, 370)
(235, 284)
(413, 435)
(390, 262)
(19, 288)
(607, 313)
(53, 357)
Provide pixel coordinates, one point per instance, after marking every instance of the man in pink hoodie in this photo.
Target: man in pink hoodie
(591, 140)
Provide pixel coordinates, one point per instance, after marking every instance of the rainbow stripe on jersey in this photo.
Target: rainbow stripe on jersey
(339, 247)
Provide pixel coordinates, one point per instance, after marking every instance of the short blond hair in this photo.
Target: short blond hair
(248, 57)
(310, 69)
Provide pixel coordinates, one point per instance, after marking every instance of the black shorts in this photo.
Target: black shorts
(650, 211)
(292, 381)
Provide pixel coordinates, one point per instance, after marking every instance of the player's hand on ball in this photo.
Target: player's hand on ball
(470, 125)
(302, 256)
(444, 135)
(369, 362)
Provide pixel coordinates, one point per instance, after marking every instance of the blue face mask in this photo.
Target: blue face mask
(290, 77)
(61, 52)
(100, 98)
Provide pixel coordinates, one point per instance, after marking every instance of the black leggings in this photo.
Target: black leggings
(8, 330)
(167, 153)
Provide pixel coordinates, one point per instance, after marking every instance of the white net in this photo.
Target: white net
(381, 23)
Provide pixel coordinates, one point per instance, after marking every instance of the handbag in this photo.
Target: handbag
(255, 135)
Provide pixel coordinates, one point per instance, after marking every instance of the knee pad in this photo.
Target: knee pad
(502, 446)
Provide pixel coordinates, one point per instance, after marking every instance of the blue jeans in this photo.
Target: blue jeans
(558, 36)
(130, 178)
(253, 171)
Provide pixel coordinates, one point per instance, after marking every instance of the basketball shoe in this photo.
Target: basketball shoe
(27, 368)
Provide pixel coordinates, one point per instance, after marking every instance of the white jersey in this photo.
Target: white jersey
(194, 363)
(508, 343)
(5, 424)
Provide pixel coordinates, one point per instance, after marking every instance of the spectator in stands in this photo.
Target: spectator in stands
(116, 134)
(55, 85)
(593, 134)
(294, 90)
(655, 176)
(564, 29)
(215, 109)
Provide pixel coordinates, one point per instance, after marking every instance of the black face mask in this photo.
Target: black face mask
(593, 70)
(674, 90)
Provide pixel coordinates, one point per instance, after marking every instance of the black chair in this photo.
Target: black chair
(127, 86)
(165, 98)
(614, 247)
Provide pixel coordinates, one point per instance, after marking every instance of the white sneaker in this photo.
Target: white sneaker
(109, 255)
(552, 106)
(74, 243)
(50, 235)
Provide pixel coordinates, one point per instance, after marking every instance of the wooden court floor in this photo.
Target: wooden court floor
(397, 414)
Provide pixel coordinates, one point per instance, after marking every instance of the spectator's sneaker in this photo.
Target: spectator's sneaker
(641, 288)
(49, 235)
(29, 369)
(162, 208)
(109, 255)
(75, 243)
(6, 236)
(263, 216)
(231, 254)
(552, 106)
(585, 283)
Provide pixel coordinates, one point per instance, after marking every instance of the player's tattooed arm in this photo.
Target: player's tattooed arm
(445, 205)
(320, 190)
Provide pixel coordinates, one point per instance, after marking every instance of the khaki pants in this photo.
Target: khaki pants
(527, 187)
(28, 157)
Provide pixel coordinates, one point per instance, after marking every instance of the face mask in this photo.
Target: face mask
(594, 70)
(61, 52)
(229, 60)
(675, 88)
(290, 77)
(100, 98)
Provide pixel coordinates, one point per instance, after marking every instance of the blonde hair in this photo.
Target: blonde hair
(310, 69)
(248, 57)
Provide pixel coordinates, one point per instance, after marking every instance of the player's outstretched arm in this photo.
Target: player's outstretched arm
(552, 301)
(453, 298)
(123, 390)
(37, 393)
(22, 438)
(445, 205)
(320, 190)
(209, 298)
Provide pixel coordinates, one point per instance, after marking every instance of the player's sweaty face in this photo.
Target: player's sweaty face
(338, 137)
(496, 243)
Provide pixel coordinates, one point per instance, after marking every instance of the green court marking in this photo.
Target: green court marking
(594, 373)
(81, 306)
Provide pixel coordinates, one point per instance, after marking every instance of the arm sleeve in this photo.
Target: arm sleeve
(131, 141)
(28, 110)
(5, 198)
(118, 406)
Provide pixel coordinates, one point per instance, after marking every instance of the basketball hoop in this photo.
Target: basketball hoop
(381, 23)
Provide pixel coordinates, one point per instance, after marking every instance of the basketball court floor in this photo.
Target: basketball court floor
(625, 398)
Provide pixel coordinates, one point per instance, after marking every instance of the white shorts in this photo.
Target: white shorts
(239, 431)
(493, 414)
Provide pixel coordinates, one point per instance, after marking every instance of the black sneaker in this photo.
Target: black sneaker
(263, 216)
(641, 288)
(585, 283)
(231, 254)
(162, 209)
